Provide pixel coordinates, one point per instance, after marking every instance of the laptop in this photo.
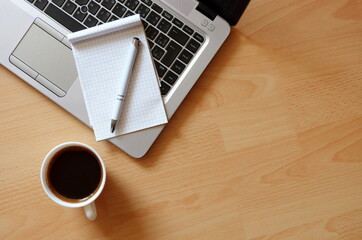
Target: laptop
(183, 36)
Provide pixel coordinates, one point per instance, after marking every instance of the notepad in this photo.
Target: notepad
(100, 53)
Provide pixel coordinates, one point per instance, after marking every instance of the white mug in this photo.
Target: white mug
(87, 203)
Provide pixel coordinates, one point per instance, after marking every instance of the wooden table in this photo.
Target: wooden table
(267, 145)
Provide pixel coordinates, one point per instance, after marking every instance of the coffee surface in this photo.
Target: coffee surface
(74, 173)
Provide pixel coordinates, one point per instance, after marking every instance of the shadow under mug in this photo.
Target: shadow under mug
(88, 202)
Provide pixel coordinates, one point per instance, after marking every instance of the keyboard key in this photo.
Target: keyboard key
(145, 24)
(119, 10)
(63, 18)
(69, 7)
(162, 40)
(164, 88)
(178, 67)
(41, 4)
(90, 21)
(128, 13)
(193, 46)
(108, 4)
(172, 50)
(31, 1)
(132, 4)
(178, 35)
(147, 2)
(143, 10)
(160, 69)
(157, 8)
(150, 44)
(151, 32)
(157, 52)
(188, 30)
(164, 25)
(113, 18)
(185, 56)
(199, 37)
(93, 7)
(170, 78)
(167, 15)
(177, 22)
(79, 15)
(153, 18)
(103, 15)
(59, 3)
(81, 2)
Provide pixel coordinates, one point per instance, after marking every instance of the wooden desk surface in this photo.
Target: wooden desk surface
(267, 145)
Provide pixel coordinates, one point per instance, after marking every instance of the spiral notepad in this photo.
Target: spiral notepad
(99, 54)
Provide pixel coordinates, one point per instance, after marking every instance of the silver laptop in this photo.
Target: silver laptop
(183, 36)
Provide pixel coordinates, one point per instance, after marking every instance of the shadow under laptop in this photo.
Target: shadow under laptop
(117, 215)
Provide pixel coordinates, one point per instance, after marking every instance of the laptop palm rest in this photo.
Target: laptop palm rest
(43, 55)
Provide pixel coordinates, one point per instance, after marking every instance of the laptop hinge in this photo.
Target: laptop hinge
(206, 10)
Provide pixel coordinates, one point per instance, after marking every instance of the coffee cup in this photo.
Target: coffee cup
(73, 175)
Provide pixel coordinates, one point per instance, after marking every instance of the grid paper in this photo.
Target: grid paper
(99, 54)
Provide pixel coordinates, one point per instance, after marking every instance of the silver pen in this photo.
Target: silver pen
(124, 83)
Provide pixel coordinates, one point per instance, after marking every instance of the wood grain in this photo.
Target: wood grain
(266, 146)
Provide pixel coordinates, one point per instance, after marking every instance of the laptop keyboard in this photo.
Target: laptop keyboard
(173, 44)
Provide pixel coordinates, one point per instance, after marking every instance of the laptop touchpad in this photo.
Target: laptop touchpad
(43, 55)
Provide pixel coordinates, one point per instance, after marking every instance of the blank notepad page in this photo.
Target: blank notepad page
(100, 53)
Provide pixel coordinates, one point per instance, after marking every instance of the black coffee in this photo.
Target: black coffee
(74, 173)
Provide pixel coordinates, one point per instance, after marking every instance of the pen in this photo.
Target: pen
(124, 83)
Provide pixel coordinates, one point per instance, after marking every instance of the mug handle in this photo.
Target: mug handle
(90, 211)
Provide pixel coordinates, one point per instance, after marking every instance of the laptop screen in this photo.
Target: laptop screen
(230, 10)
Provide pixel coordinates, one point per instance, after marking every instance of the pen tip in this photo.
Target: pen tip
(113, 126)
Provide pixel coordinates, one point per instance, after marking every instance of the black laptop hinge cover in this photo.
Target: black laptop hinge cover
(206, 10)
